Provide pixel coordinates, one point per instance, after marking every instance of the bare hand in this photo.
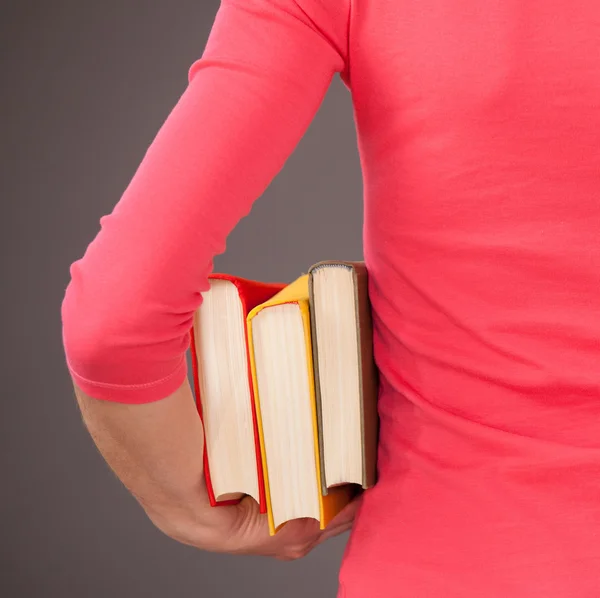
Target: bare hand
(242, 529)
(156, 450)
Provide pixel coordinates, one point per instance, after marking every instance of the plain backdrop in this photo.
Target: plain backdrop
(85, 87)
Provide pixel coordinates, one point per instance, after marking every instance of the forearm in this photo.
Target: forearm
(156, 450)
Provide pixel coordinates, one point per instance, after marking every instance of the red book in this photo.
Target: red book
(224, 390)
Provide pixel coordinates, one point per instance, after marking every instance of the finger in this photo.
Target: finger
(292, 541)
(343, 520)
(250, 529)
(298, 538)
(346, 514)
(335, 531)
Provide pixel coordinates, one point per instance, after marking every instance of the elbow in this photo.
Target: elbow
(121, 350)
(90, 335)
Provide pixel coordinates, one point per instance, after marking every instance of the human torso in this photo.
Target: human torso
(479, 133)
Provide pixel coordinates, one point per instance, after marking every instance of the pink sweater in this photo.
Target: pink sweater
(479, 134)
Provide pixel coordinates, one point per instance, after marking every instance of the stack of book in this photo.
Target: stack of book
(286, 387)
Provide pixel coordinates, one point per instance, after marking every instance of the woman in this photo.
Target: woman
(479, 135)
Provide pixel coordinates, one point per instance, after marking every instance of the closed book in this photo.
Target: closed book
(281, 358)
(224, 389)
(346, 378)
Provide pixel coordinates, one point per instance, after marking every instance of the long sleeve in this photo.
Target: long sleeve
(129, 305)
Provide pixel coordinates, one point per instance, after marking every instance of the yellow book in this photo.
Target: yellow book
(281, 360)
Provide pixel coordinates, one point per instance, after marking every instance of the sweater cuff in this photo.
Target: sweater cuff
(137, 394)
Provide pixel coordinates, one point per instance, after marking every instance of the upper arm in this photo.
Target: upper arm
(129, 306)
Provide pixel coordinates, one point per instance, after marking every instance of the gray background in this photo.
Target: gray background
(85, 87)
